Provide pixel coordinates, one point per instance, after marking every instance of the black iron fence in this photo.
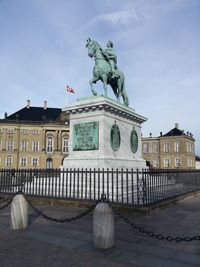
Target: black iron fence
(121, 186)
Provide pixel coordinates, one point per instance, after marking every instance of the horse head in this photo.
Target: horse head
(92, 47)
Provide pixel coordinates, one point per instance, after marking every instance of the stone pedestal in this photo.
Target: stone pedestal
(104, 134)
(103, 227)
(19, 213)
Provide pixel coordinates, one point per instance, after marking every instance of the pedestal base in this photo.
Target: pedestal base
(104, 134)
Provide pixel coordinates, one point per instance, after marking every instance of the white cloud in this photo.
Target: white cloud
(119, 17)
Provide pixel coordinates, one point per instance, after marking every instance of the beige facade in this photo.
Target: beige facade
(170, 151)
(32, 144)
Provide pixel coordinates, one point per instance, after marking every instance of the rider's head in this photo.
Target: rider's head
(109, 44)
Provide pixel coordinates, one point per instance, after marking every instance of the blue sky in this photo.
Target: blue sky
(42, 48)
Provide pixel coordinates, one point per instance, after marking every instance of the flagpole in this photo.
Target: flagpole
(69, 90)
(66, 99)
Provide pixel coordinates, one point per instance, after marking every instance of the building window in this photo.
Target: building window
(35, 146)
(190, 163)
(190, 147)
(178, 163)
(145, 148)
(49, 163)
(24, 131)
(156, 163)
(166, 163)
(23, 162)
(166, 147)
(50, 142)
(177, 147)
(24, 145)
(35, 132)
(10, 130)
(35, 162)
(9, 161)
(65, 144)
(10, 145)
(155, 147)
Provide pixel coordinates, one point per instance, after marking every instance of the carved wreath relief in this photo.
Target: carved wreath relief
(134, 141)
(115, 138)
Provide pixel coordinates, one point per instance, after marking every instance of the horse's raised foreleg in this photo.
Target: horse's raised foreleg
(93, 80)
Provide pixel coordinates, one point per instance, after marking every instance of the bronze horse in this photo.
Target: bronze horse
(102, 71)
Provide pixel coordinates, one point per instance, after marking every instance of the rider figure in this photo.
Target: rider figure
(110, 55)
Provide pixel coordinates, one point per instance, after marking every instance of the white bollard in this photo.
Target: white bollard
(19, 213)
(103, 226)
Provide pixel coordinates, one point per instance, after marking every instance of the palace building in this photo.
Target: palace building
(34, 137)
(175, 149)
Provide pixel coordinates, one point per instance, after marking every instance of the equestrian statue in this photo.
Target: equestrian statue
(105, 69)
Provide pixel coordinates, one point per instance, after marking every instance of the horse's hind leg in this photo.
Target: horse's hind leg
(93, 80)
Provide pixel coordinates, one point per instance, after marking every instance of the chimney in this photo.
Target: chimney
(176, 125)
(28, 104)
(160, 133)
(45, 104)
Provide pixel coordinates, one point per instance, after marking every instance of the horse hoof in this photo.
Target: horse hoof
(94, 92)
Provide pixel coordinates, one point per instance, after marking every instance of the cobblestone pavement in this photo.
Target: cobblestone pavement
(46, 243)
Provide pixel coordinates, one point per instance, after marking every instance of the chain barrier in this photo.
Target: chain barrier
(7, 203)
(9, 200)
(103, 199)
(61, 220)
(151, 234)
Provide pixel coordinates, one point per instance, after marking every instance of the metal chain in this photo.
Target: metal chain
(9, 200)
(7, 203)
(61, 220)
(152, 234)
(115, 210)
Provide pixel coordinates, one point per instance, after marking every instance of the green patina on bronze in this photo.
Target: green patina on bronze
(134, 141)
(86, 136)
(106, 70)
(115, 138)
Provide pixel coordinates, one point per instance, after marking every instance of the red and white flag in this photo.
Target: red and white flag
(69, 89)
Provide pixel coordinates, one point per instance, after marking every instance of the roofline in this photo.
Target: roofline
(32, 122)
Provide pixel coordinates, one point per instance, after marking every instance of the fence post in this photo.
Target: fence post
(103, 226)
(19, 213)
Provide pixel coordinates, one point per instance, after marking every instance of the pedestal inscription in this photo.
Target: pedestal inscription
(86, 136)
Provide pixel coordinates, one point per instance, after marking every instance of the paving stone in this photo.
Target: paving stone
(45, 243)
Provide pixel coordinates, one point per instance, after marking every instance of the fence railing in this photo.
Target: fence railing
(121, 186)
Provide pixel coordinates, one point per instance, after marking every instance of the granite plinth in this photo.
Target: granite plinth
(105, 113)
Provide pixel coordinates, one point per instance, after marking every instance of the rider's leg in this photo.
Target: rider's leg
(112, 65)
